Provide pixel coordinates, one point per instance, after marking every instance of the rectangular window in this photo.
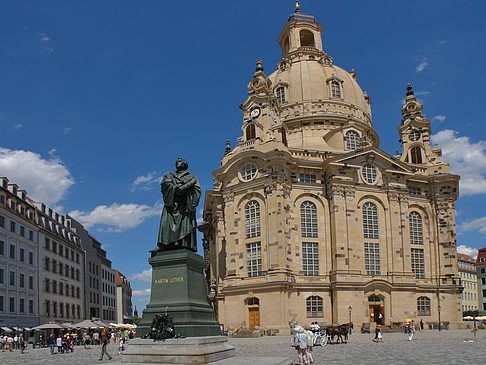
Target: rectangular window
(31, 282)
(2, 308)
(12, 304)
(307, 178)
(12, 227)
(61, 287)
(1, 276)
(418, 266)
(31, 235)
(31, 258)
(61, 310)
(22, 305)
(54, 266)
(413, 190)
(46, 263)
(66, 271)
(314, 307)
(47, 243)
(372, 258)
(47, 288)
(77, 258)
(12, 278)
(22, 254)
(54, 286)
(310, 258)
(12, 251)
(22, 280)
(61, 248)
(254, 258)
(22, 231)
(2, 248)
(2, 221)
(54, 246)
(31, 306)
(54, 309)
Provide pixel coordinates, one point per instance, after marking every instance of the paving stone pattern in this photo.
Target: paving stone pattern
(428, 347)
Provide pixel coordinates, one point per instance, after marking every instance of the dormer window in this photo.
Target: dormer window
(280, 93)
(336, 89)
(352, 140)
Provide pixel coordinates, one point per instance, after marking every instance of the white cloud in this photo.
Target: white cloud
(467, 159)
(422, 65)
(141, 293)
(146, 182)
(43, 37)
(439, 118)
(145, 275)
(46, 181)
(50, 49)
(442, 42)
(18, 126)
(466, 250)
(117, 217)
(478, 224)
(67, 130)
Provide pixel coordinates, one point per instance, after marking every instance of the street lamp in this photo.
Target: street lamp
(440, 327)
(350, 309)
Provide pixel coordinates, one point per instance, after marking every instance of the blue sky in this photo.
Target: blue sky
(99, 98)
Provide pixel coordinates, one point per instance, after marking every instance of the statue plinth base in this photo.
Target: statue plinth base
(193, 350)
(179, 289)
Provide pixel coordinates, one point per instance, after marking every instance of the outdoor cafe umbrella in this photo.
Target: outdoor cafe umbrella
(49, 326)
(85, 324)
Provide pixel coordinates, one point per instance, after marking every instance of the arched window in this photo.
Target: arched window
(416, 232)
(250, 132)
(252, 218)
(335, 89)
(416, 155)
(423, 306)
(314, 306)
(306, 38)
(253, 301)
(308, 218)
(352, 140)
(370, 220)
(280, 93)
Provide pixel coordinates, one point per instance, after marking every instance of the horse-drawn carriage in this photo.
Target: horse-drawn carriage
(328, 333)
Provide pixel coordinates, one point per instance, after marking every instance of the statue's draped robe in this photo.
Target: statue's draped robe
(178, 221)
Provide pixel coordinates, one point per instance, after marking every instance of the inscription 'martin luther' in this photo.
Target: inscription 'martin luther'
(178, 279)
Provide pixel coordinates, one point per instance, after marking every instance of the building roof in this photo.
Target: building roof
(121, 279)
(465, 258)
(481, 259)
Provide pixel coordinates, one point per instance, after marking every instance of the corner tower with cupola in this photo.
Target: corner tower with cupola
(310, 221)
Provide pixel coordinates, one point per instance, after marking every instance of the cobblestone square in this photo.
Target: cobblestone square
(428, 347)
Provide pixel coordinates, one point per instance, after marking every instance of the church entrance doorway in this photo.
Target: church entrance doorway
(376, 309)
(254, 317)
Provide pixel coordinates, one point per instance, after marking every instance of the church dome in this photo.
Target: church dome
(320, 86)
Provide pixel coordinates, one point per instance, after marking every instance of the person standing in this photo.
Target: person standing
(51, 342)
(59, 344)
(104, 342)
(421, 324)
(10, 343)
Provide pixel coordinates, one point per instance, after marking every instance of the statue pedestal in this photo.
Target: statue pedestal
(178, 289)
(193, 350)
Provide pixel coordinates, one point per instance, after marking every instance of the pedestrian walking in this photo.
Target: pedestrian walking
(104, 342)
(300, 341)
(310, 336)
(378, 334)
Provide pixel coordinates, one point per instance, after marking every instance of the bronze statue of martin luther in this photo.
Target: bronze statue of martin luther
(181, 192)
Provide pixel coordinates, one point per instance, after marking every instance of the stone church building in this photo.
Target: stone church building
(310, 221)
